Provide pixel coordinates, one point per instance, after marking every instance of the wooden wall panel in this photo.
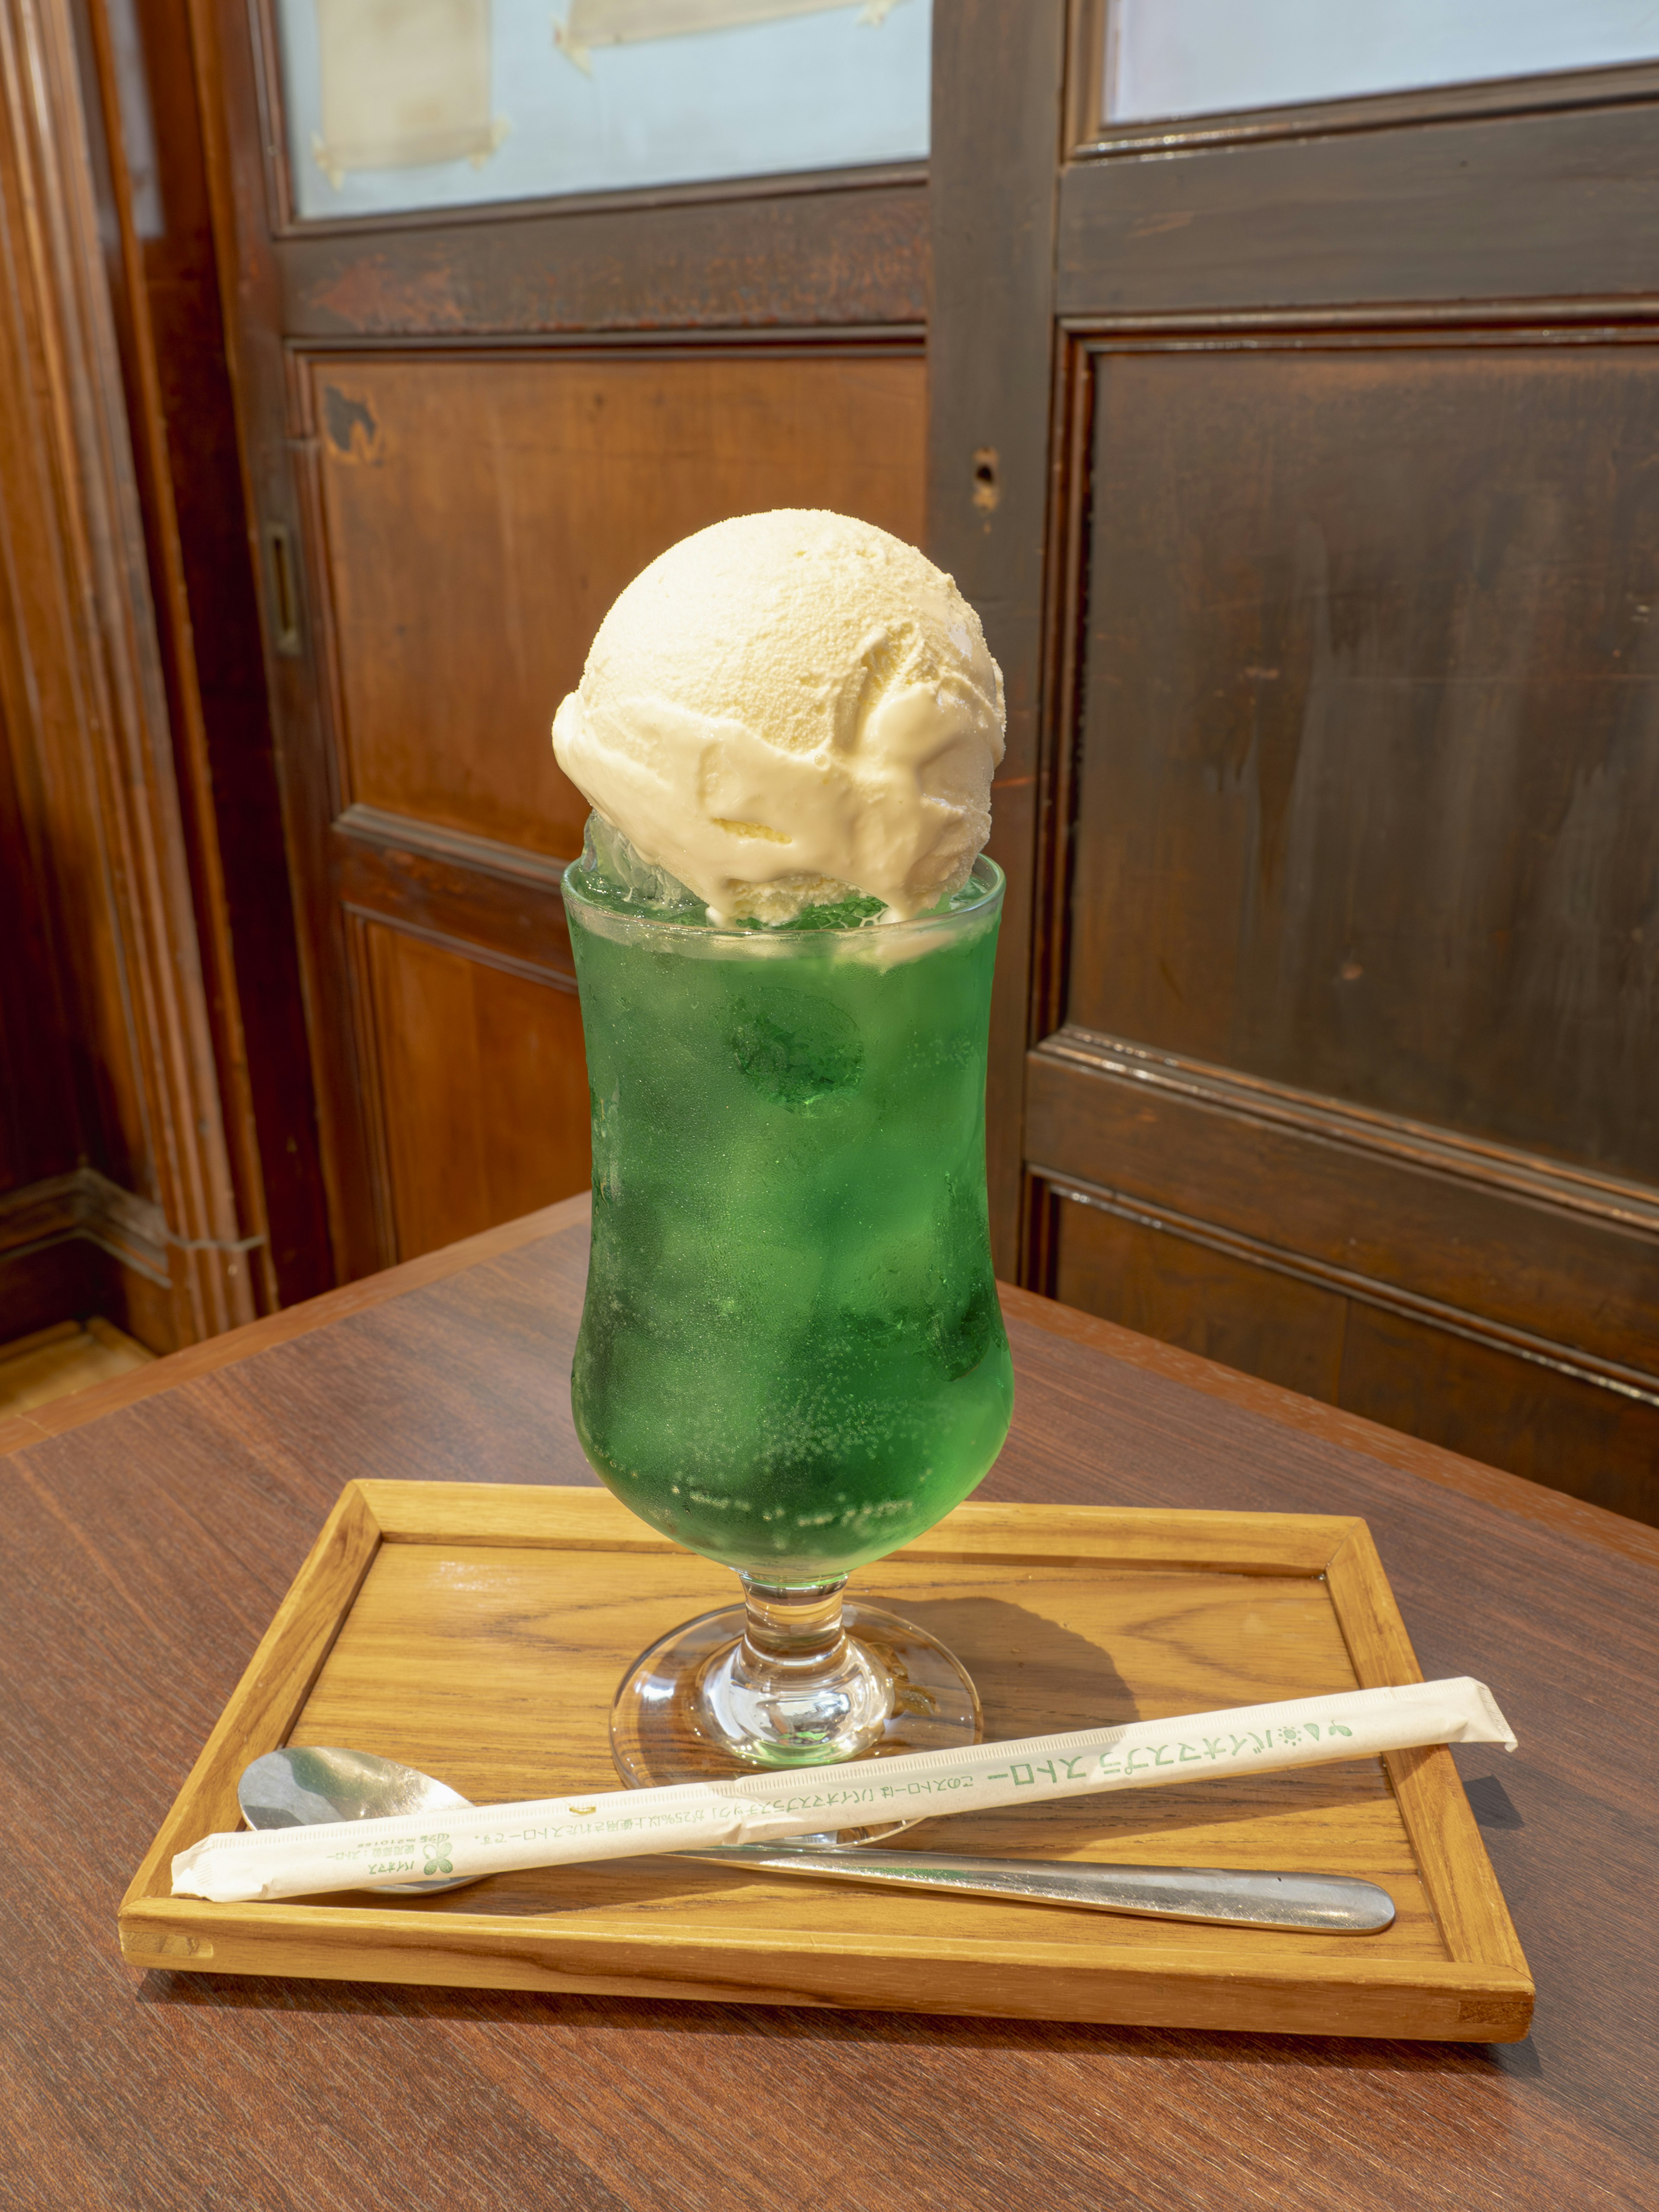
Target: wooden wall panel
(1568, 1258)
(1477, 1298)
(1347, 1031)
(481, 514)
(1370, 729)
(1205, 1301)
(484, 1086)
(1554, 1425)
(501, 901)
(1540, 1419)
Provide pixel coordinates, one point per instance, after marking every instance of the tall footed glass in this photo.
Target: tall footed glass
(792, 1358)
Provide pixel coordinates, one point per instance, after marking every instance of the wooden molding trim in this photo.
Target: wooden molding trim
(495, 902)
(62, 1414)
(1610, 319)
(459, 848)
(1530, 1254)
(814, 258)
(82, 693)
(1421, 1144)
(167, 309)
(131, 1229)
(878, 176)
(1633, 84)
(1514, 1493)
(1548, 203)
(1521, 1344)
(468, 946)
(998, 72)
(1060, 758)
(903, 341)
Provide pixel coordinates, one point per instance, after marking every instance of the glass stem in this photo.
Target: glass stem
(792, 1635)
(796, 1689)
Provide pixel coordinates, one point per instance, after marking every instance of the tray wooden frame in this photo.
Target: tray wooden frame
(1481, 1992)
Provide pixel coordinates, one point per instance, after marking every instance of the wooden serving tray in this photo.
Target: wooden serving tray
(478, 1631)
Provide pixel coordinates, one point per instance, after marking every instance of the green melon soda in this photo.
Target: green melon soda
(792, 1358)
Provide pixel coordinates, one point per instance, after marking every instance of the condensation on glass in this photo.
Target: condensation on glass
(402, 104)
(1184, 57)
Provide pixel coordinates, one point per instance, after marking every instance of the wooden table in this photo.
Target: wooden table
(151, 1526)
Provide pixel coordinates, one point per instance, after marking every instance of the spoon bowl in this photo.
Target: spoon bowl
(305, 1783)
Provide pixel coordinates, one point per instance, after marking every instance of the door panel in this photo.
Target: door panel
(1370, 729)
(476, 515)
(1558, 1426)
(1187, 1293)
(1568, 1259)
(1426, 1377)
(482, 1071)
(481, 514)
(1343, 1014)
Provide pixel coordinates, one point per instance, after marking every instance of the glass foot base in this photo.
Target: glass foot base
(683, 1714)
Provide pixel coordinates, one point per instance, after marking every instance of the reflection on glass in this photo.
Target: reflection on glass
(393, 104)
(1173, 58)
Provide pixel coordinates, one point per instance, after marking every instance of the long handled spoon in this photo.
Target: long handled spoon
(299, 1784)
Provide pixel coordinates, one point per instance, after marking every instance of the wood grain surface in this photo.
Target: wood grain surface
(146, 1552)
(577, 469)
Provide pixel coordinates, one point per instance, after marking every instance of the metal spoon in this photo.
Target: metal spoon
(290, 1788)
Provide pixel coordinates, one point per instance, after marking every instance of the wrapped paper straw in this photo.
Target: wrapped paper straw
(759, 1808)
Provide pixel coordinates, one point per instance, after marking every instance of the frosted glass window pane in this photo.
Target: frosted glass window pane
(1173, 58)
(395, 103)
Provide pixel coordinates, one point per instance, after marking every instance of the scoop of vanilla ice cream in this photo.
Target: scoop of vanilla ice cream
(789, 708)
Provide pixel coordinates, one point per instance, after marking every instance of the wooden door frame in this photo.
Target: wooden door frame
(84, 712)
(998, 138)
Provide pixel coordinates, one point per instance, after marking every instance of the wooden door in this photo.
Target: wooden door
(465, 429)
(1302, 461)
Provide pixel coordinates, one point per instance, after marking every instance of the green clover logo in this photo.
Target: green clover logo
(436, 1849)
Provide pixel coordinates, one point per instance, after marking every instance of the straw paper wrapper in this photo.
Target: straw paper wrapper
(759, 1808)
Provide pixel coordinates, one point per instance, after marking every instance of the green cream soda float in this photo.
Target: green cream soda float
(791, 1357)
